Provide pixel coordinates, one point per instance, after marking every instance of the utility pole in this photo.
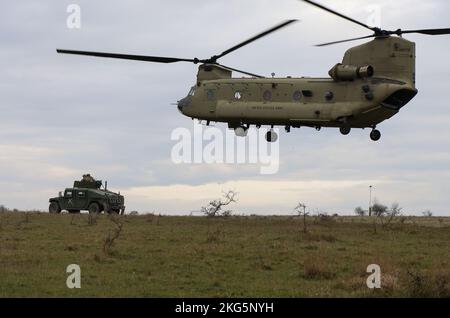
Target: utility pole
(370, 200)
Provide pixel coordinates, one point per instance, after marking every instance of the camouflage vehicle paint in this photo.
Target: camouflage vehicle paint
(87, 196)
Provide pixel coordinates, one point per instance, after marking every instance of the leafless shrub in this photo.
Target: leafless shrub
(215, 207)
(72, 219)
(385, 215)
(390, 214)
(427, 213)
(113, 235)
(92, 218)
(314, 237)
(316, 269)
(300, 210)
(263, 264)
(25, 220)
(431, 285)
(324, 218)
(214, 236)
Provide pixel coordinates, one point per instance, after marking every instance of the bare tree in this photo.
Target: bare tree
(427, 213)
(393, 212)
(300, 209)
(215, 207)
(379, 209)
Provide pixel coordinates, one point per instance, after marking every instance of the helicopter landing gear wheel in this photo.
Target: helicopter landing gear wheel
(375, 135)
(271, 136)
(345, 130)
(241, 131)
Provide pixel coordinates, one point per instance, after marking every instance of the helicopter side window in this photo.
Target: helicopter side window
(297, 95)
(307, 93)
(329, 96)
(267, 95)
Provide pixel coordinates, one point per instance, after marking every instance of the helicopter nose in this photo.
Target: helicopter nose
(183, 103)
(180, 107)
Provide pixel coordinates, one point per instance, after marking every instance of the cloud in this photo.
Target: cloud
(63, 116)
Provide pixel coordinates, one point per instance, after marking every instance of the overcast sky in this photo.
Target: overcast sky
(62, 116)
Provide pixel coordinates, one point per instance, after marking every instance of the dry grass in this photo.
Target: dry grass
(160, 256)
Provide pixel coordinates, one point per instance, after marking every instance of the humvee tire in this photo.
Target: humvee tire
(94, 208)
(54, 208)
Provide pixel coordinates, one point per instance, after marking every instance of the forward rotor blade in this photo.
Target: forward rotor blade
(239, 71)
(339, 14)
(429, 31)
(156, 59)
(349, 40)
(256, 37)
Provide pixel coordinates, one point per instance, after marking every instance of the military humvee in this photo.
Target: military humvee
(87, 194)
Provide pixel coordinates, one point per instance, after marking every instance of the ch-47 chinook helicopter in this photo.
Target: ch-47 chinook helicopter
(373, 82)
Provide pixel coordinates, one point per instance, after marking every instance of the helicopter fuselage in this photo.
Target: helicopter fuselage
(373, 82)
(314, 102)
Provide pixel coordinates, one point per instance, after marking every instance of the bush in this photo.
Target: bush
(360, 211)
(316, 269)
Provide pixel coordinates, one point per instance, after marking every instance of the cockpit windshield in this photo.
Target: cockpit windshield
(192, 91)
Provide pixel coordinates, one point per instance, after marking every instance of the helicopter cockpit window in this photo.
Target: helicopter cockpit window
(192, 91)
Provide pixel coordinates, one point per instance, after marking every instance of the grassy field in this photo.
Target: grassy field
(161, 256)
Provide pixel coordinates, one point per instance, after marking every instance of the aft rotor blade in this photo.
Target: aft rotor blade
(240, 71)
(156, 59)
(339, 14)
(428, 31)
(349, 40)
(256, 37)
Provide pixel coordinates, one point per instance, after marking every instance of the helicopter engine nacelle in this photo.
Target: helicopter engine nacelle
(342, 72)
